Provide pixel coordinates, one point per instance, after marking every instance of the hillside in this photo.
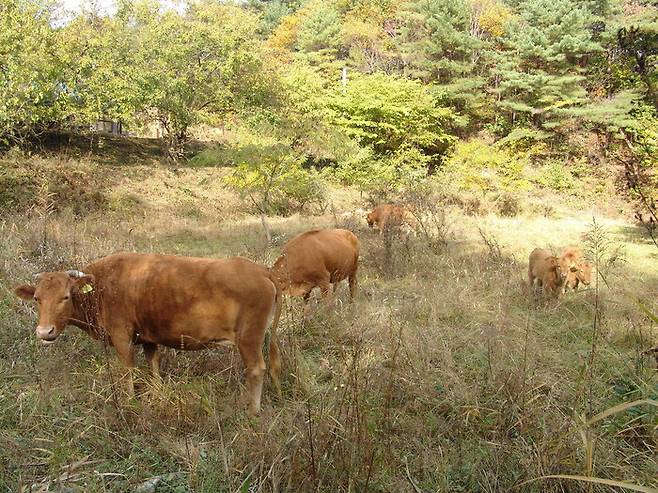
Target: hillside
(444, 375)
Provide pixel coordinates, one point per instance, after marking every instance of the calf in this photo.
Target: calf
(578, 270)
(544, 271)
(390, 217)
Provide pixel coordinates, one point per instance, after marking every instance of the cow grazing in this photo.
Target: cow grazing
(544, 271)
(578, 270)
(318, 258)
(390, 217)
(130, 299)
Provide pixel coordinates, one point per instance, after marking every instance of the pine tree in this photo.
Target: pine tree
(439, 46)
(541, 68)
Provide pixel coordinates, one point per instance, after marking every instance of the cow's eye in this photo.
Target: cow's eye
(36, 299)
(66, 298)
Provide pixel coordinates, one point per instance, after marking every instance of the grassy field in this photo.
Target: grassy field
(444, 375)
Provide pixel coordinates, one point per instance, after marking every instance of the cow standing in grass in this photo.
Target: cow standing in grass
(544, 272)
(578, 270)
(390, 217)
(130, 299)
(318, 258)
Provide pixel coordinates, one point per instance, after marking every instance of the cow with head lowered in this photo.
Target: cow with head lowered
(578, 270)
(390, 218)
(318, 259)
(130, 299)
(544, 272)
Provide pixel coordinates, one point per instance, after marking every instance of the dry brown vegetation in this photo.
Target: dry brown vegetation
(442, 376)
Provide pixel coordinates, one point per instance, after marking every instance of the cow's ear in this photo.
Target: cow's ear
(25, 292)
(85, 283)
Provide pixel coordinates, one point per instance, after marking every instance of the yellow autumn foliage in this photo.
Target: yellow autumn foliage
(491, 16)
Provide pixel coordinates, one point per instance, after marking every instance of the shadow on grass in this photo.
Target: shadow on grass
(634, 234)
(107, 148)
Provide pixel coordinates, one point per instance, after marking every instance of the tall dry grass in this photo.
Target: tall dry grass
(442, 376)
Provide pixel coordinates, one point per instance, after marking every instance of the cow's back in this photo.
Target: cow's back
(543, 265)
(310, 255)
(389, 212)
(538, 257)
(167, 298)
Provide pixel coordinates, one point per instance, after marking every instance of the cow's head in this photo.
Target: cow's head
(555, 265)
(370, 219)
(568, 268)
(584, 273)
(54, 293)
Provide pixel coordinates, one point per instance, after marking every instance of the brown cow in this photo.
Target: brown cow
(318, 258)
(390, 216)
(180, 302)
(544, 271)
(578, 270)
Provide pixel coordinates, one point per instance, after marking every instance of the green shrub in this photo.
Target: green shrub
(478, 166)
(388, 112)
(529, 142)
(382, 176)
(508, 205)
(212, 156)
(556, 176)
(272, 179)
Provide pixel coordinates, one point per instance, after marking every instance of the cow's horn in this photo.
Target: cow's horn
(75, 273)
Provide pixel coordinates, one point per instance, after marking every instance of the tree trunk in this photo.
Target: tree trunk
(266, 227)
(176, 142)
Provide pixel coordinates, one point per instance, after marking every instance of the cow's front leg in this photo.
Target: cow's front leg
(126, 352)
(254, 365)
(325, 291)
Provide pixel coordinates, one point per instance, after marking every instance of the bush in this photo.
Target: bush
(389, 112)
(299, 187)
(508, 205)
(431, 222)
(477, 166)
(556, 176)
(272, 179)
(385, 176)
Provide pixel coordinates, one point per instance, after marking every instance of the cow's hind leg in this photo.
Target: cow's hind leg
(325, 290)
(353, 283)
(532, 284)
(152, 355)
(254, 365)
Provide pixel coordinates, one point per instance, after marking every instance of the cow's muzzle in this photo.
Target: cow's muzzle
(47, 333)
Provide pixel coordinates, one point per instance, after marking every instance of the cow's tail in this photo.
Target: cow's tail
(275, 360)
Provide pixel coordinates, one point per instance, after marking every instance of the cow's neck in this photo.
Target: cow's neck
(85, 315)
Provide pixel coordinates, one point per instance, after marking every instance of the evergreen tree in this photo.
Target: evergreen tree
(540, 71)
(637, 45)
(440, 46)
(436, 40)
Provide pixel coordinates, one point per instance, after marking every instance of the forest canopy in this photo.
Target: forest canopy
(379, 91)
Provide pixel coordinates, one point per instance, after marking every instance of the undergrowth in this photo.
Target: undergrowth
(444, 375)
